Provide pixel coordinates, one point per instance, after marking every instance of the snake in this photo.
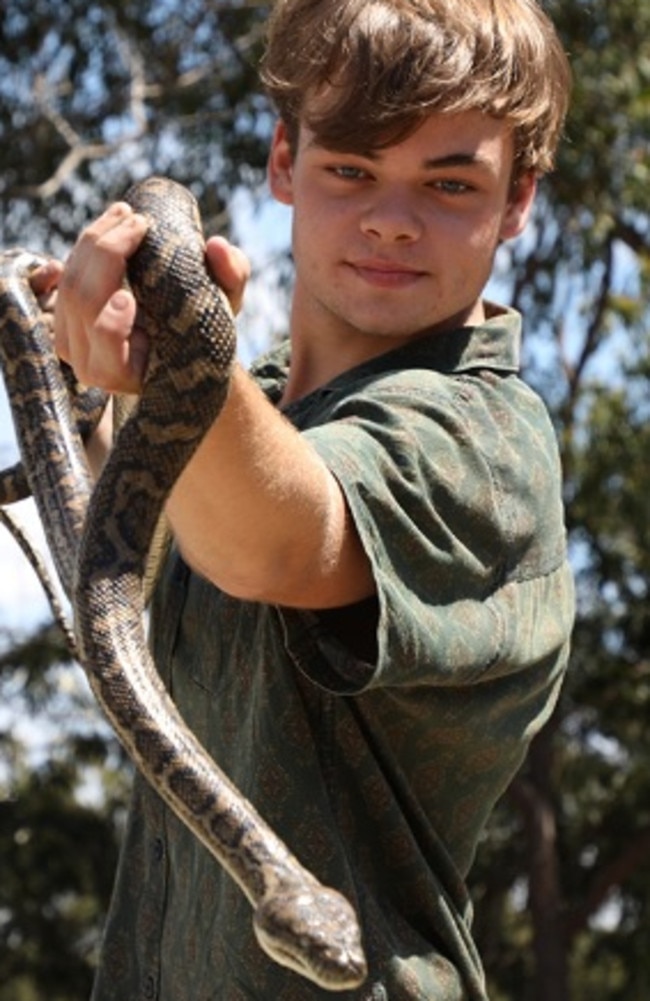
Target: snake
(100, 534)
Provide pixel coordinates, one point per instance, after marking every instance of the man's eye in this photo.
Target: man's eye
(348, 173)
(452, 187)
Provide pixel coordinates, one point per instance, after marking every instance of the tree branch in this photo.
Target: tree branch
(531, 795)
(635, 854)
(633, 238)
(79, 151)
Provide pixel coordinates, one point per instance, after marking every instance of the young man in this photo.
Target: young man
(368, 614)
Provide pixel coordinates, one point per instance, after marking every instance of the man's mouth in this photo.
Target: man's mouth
(385, 274)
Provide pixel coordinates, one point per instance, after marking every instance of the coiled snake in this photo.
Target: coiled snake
(100, 538)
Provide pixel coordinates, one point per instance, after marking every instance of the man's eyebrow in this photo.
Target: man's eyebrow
(430, 163)
(456, 160)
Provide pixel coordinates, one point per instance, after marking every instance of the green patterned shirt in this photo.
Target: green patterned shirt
(374, 741)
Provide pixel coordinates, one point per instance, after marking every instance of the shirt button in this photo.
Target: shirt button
(158, 849)
(150, 988)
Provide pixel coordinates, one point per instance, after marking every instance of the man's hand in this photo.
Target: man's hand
(229, 267)
(96, 323)
(44, 281)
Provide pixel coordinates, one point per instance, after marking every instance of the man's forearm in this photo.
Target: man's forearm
(258, 513)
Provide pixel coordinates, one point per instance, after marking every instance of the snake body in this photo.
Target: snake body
(53, 460)
(100, 538)
(87, 404)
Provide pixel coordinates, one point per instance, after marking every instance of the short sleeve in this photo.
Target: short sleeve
(454, 487)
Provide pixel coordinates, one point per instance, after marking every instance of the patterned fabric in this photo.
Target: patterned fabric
(378, 775)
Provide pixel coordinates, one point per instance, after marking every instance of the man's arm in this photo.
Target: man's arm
(256, 511)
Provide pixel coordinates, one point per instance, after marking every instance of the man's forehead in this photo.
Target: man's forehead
(441, 139)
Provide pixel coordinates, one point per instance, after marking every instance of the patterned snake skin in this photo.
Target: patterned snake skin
(100, 538)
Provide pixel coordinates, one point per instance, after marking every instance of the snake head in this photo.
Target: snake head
(312, 930)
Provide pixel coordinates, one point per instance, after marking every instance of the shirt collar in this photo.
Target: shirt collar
(494, 344)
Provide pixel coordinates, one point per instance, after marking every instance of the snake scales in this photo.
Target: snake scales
(100, 537)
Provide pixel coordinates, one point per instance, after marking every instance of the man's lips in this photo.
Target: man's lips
(386, 274)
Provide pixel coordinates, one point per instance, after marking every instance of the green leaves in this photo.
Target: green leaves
(113, 92)
(62, 802)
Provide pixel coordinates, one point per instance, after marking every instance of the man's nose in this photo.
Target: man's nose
(392, 216)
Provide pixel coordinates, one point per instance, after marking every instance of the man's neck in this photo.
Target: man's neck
(320, 351)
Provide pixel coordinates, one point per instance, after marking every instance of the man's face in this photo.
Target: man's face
(398, 242)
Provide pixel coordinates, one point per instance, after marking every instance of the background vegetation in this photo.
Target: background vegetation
(95, 95)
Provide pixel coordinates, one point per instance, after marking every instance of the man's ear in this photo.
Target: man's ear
(520, 203)
(280, 166)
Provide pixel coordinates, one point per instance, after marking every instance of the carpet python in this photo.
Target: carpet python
(100, 535)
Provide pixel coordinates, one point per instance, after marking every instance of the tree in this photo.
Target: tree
(111, 92)
(574, 824)
(58, 836)
(94, 97)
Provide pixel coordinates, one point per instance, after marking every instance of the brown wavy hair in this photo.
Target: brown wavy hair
(363, 74)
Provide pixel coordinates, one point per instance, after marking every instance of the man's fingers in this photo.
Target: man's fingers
(110, 361)
(45, 279)
(229, 267)
(96, 267)
(95, 316)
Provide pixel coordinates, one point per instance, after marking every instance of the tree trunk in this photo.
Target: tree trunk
(531, 793)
